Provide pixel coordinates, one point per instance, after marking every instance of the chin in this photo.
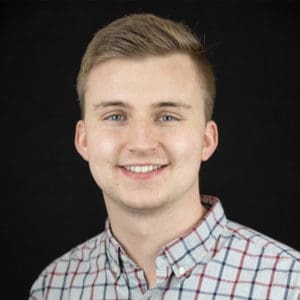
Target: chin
(139, 205)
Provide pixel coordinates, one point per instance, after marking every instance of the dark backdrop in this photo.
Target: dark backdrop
(49, 200)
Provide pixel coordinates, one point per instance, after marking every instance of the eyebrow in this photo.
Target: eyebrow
(161, 104)
(103, 104)
(171, 104)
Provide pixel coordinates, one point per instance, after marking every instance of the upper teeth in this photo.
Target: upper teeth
(142, 169)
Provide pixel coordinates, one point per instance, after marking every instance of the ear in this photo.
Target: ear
(210, 140)
(80, 140)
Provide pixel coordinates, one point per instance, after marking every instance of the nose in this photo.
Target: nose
(142, 136)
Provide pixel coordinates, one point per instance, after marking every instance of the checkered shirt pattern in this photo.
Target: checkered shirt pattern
(216, 259)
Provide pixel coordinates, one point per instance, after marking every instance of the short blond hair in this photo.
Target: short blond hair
(141, 35)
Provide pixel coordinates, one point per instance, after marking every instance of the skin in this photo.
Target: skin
(147, 111)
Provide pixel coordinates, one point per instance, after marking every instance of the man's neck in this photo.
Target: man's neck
(144, 234)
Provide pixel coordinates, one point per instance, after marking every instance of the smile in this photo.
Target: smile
(143, 169)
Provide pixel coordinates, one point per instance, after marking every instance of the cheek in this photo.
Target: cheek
(185, 146)
(101, 146)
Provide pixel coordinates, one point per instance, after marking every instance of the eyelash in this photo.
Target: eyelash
(111, 118)
(169, 117)
(161, 118)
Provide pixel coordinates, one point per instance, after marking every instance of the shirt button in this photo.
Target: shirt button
(115, 269)
(181, 270)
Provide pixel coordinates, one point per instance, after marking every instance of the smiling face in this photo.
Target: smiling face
(144, 132)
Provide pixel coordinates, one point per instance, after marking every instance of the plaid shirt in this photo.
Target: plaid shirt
(216, 259)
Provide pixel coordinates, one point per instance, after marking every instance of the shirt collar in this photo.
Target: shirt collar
(113, 250)
(186, 251)
(194, 247)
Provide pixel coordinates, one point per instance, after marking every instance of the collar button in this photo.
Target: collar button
(181, 270)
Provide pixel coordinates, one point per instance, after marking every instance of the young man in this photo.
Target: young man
(146, 91)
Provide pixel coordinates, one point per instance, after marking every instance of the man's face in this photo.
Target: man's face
(144, 133)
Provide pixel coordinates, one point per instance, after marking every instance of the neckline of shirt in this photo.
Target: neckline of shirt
(183, 253)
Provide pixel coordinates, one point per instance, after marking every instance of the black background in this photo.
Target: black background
(50, 203)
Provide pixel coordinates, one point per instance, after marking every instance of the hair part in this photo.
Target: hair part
(141, 35)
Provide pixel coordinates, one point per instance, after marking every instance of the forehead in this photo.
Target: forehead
(150, 78)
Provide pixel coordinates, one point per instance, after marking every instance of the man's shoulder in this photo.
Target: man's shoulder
(76, 261)
(81, 255)
(261, 244)
(84, 252)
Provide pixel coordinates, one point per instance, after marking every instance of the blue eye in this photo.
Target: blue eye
(116, 117)
(167, 118)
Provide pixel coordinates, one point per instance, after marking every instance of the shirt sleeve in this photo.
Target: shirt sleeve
(37, 289)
